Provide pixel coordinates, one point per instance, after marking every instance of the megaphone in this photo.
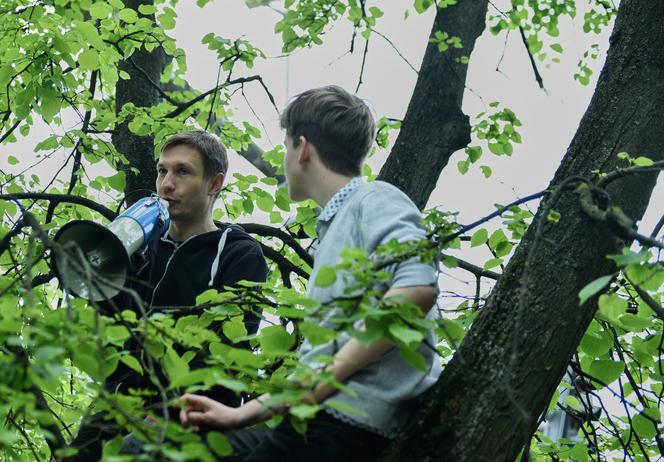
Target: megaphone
(106, 250)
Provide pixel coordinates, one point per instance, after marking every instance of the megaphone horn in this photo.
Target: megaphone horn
(106, 250)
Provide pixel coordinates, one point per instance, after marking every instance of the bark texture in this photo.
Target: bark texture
(145, 69)
(486, 405)
(435, 126)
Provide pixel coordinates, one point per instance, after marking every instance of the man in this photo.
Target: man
(191, 256)
(328, 135)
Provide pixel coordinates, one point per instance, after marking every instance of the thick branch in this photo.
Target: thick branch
(435, 126)
(290, 241)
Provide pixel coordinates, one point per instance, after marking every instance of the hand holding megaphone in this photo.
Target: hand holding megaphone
(106, 250)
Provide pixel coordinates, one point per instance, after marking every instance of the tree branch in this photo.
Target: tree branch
(645, 296)
(290, 241)
(253, 154)
(474, 269)
(67, 198)
(84, 128)
(10, 131)
(184, 106)
(533, 64)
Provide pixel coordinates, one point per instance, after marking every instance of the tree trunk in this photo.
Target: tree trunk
(486, 405)
(434, 126)
(145, 69)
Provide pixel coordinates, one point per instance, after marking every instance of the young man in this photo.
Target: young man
(328, 135)
(191, 256)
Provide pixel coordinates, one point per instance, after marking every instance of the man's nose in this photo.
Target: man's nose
(167, 183)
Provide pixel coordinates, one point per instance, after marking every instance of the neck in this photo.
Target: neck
(326, 185)
(181, 231)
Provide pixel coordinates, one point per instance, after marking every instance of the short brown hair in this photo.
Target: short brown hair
(338, 124)
(213, 153)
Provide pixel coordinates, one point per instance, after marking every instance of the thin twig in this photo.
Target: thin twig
(538, 77)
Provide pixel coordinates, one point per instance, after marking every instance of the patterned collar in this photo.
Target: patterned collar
(335, 203)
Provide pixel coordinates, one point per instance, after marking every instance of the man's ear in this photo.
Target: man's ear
(216, 184)
(305, 151)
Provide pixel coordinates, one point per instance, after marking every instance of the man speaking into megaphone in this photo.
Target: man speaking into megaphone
(192, 255)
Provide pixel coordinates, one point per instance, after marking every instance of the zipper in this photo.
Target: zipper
(168, 263)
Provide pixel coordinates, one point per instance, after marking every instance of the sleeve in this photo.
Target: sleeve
(244, 261)
(387, 214)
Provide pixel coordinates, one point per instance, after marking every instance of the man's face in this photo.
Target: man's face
(181, 182)
(293, 170)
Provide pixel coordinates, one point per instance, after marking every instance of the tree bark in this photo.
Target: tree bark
(486, 404)
(145, 69)
(435, 126)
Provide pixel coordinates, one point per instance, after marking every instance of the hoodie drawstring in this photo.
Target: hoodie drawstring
(215, 263)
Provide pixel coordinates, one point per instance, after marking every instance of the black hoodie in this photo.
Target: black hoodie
(175, 273)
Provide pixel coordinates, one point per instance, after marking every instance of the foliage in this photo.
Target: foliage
(62, 57)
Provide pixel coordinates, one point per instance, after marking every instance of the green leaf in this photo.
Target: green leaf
(486, 171)
(219, 444)
(304, 411)
(117, 181)
(606, 370)
(596, 342)
(630, 258)
(474, 153)
(611, 307)
(265, 203)
(174, 365)
(317, 335)
(147, 9)
(593, 288)
(643, 162)
(634, 322)
(496, 148)
(479, 238)
(557, 47)
(89, 59)
(325, 277)
(644, 426)
(275, 339)
(50, 103)
(100, 10)
(128, 15)
(132, 363)
(414, 358)
(117, 335)
(492, 263)
(409, 337)
(234, 328)
(580, 452)
(463, 166)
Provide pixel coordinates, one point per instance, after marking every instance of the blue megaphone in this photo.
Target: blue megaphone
(97, 265)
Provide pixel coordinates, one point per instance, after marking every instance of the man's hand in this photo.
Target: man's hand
(200, 410)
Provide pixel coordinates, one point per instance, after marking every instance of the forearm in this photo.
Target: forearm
(254, 411)
(355, 356)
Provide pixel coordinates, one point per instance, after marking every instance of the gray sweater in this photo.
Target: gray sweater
(370, 215)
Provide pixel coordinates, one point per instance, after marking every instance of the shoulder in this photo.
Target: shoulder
(381, 197)
(238, 238)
